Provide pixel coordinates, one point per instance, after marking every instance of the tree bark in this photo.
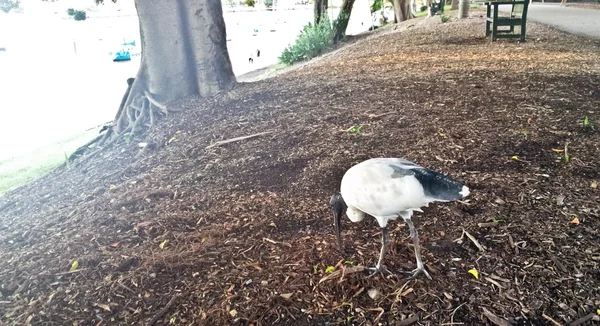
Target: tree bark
(320, 9)
(184, 53)
(402, 10)
(463, 9)
(454, 5)
(341, 22)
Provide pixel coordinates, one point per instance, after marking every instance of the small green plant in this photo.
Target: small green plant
(566, 152)
(377, 4)
(70, 11)
(250, 3)
(354, 130)
(444, 18)
(587, 125)
(268, 3)
(312, 41)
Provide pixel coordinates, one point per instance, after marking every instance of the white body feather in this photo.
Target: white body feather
(369, 187)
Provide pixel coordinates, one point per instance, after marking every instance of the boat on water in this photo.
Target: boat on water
(128, 49)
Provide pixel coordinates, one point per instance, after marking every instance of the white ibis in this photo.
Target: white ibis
(386, 188)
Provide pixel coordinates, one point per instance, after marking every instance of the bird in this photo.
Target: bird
(388, 188)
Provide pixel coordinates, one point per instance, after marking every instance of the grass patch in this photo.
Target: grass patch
(19, 170)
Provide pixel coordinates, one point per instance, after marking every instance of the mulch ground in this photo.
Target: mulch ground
(241, 234)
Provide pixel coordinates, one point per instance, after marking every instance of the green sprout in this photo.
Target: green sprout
(587, 124)
(354, 130)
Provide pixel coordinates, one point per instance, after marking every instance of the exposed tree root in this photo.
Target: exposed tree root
(139, 110)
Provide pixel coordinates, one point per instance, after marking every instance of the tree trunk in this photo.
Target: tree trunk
(463, 9)
(454, 5)
(184, 53)
(402, 10)
(320, 9)
(341, 22)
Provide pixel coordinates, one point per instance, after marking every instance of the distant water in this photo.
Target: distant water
(57, 79)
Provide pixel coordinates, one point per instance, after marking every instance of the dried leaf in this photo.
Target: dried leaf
(162, 244)
(598, 311)
(233, 313)
(474, 272)
(112, 187)
(286, 296)
(558, 150)
(515, 157)
(374, 294)
(103, 306)
(114, 245)
(329, 269)
(172, 139)
(74, 265)
(272, 224)
(575, 221)
(594, 184)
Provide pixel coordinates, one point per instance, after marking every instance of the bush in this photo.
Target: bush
(79, 15)
(378, 4)
(250, 3)
(444, 19)
(423, 8)
(312, 41)
(269, 3)
(70, 11)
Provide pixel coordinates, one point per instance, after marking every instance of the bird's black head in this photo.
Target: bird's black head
(338, 207)
(337, 203)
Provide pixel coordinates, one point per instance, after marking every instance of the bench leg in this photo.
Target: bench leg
(487, 23)
(523, 30)
(495, 24)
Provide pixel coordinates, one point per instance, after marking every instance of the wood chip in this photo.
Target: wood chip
(548, 318)
(582, 320)
(495, 319)
(408, 321)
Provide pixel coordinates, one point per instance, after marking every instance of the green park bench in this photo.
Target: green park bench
(518, 17)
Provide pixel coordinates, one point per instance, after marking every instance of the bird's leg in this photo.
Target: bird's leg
(379, 268)
(415, 237)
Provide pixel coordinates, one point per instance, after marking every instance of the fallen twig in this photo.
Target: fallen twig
(475, 242)
(277, 242)
(495, 319)
(346, 271)
(161, 312)
(582, 320)
(232, 140)
(487, 225)
(548, 318)
(71, 272)
(375, 116)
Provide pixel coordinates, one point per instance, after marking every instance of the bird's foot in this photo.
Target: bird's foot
(377, 270)
(415, 272)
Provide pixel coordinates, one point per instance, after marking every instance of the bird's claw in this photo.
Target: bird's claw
(415, 272)
(377, 270)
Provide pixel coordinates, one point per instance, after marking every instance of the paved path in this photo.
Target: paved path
(579, 21)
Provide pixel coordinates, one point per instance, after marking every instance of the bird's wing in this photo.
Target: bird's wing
(384, 187)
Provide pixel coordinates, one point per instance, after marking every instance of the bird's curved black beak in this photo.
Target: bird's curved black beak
(338, 206)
